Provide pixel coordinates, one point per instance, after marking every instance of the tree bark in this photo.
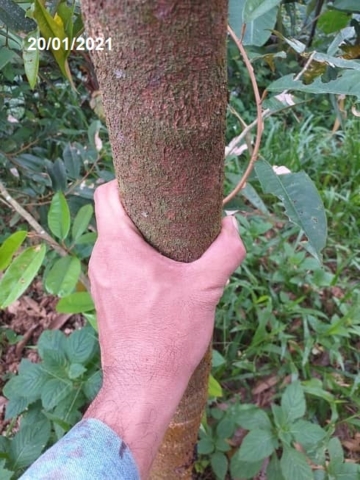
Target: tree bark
(164, 96)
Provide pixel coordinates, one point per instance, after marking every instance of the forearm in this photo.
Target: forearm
(140, 419)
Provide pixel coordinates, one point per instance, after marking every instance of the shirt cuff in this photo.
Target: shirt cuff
(90, 450)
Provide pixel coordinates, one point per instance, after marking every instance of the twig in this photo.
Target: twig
(38, 229)
(259, 120)
(265, 114)
(306, 66)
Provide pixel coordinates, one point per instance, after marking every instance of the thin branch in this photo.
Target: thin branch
(306, 66)
(265, 114)
(259, 121)
(38, 229)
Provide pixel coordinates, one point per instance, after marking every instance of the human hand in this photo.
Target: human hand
(155, 317)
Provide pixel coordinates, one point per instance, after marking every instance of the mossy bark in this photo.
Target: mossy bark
(164, 96)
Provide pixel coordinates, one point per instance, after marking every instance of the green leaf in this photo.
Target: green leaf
(205, 446)
(54, 391)
(253, 9)
(20, 274)
(335, 450)
(72, 160)
(257, 445)
(28, 444)
(5, 474)
(293, 401)
(93, 385)
(225, 428)
(76, 370)
(59, 216)
(62, 278)
(15, 406)
(10, 246)
(242, 469)
(214, 388)
(307, 434)
(80, 345)
(81, 221)
(31, 57)
(57, 173)
(258, 31)
(294, 465)
(251, 418)
(78, 302)
(51, 29)
(347, 5)
(219, 464)
(6, 55)
(332, 21)
(51, 340)
(273, 471)
(13, 16)
(89, 237)
(91, 318)
(55, 364)
(347, 471)
(302, 202)
(33, 378)
(348, 83)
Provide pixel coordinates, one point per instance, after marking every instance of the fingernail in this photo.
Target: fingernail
(235, 222)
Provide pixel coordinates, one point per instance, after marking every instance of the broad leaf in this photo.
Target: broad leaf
(346, 84)
(63, 276)
(28, 444)
(6, 55)
(301, 200)
(80, 345)
(257, 445)
(219, 464)
(81, 221)
(253, 9)
(293, 401)
(15, 406)
(273, 471)
(307, 434)
(294, 465)
(72, 160)
(214, 388)
(93, 385)
(252, 418)
(54, 391)
(258, 31)
(51, 340)
(51, 29)
(78, 302)
(31, 56)
(242, 469)
(5, 474)
(10, 246)
(348, 5)
(59, 216)
(20, 274)
(13, 17)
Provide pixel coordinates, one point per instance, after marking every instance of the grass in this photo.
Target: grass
(284, 316)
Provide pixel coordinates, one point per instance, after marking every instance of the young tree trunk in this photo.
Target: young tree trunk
(164, 96)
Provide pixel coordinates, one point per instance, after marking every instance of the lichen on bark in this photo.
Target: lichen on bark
(164, 96)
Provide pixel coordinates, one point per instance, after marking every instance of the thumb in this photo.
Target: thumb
(225, 254)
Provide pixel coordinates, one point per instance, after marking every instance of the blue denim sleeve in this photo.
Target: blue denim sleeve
(90, 450)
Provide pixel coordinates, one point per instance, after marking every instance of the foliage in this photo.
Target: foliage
(50, 394)
(285, 377)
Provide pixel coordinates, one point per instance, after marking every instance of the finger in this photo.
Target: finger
(224, 255)
(111, 218)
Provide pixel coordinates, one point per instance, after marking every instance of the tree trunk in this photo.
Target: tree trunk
(164, 96)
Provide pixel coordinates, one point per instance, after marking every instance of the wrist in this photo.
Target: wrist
(140, 417)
